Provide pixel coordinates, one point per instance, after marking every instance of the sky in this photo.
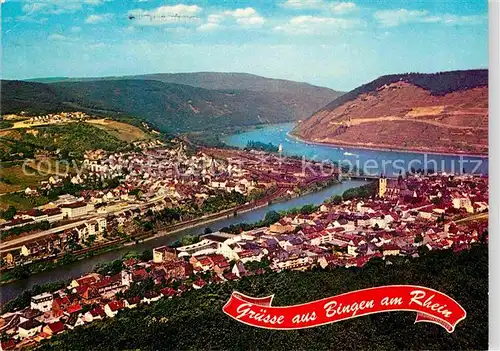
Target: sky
(338, 44)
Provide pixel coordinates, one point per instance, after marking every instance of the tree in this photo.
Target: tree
(9, 213)
(483, 237)
(130, 254)
(436, 200)
(91, 240)
(147, 255)
(423, 250)
(207, 230)
(271, 217)
(336, 200)
(440, 219)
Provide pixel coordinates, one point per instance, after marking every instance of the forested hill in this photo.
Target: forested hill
(32, 98)
(196, 320)
(200, 100)
(221, 81)
(171, 107)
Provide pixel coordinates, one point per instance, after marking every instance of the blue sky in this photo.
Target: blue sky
(331, 43)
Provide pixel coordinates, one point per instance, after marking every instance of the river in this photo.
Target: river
(78, 268)
(370, 161)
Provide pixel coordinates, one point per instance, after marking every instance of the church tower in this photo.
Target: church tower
(382, 186)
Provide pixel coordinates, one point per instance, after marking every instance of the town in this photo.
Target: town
(405, 218)
(131, 196)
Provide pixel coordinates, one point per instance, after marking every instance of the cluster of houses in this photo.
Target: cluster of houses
(153, 179)
(407, 215)
(61, 117)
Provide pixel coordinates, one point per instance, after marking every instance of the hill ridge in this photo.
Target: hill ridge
(444, 112)
(171, 106)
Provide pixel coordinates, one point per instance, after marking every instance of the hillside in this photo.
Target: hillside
(32, 98)
(444, 112)
(304, 98)
(297, 100)
(195, 321)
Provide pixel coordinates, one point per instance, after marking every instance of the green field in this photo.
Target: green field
(13, 178)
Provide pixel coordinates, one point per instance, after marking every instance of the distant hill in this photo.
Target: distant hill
(442, 112)
(32, 98)
(298, 100)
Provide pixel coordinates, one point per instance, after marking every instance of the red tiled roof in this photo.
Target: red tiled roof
(140, 273)
(134, 300)
(80, 290)
(108, 281)
(56, 327)
(130, 262)
(8, 345)
(74, 308)
(62, 301)
(168, 291)
(388, 247)
(115, 305)
(98, 311)
(87, 280)
(200, 282)
(74, 205)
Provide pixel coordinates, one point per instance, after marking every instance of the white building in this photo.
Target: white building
(42, 302)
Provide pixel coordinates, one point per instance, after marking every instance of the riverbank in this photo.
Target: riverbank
(84, 266)
(55, 262)
(383, 148)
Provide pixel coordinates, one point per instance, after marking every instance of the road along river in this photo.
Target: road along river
(75, 269)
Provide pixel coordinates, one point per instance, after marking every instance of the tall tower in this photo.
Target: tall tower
(280, 149)
(382, 186)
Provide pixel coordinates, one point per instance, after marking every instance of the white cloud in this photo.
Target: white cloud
(245, 17)
(208, 27)
(215, 18)
(57, 37)
(180, 31)
(94, 19)
(463, 20)
(76, 29)
(343, 7)
(166, 15)
(303, 4)
(255, 21)
(318, 25)
(394, 18)
(57, 7)
(336, 7)
(239, 13)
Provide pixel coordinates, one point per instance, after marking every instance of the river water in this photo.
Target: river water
(370, 161)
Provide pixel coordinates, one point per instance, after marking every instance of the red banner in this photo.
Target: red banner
(430, 305)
